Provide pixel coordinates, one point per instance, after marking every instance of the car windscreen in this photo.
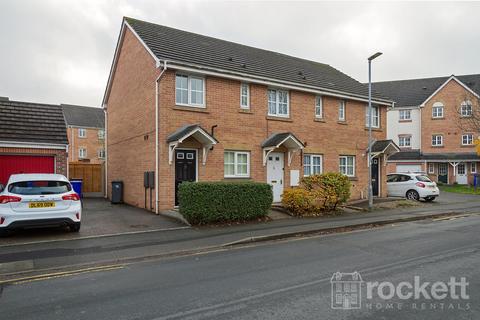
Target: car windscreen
(39, 187)
(423, 178)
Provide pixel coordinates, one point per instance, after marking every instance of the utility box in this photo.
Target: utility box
(117, 192)
(151, 179)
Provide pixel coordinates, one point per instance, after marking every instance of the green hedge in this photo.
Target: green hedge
(209, 202)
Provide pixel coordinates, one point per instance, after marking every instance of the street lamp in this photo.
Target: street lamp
(370, 191)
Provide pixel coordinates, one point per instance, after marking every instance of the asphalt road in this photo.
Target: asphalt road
(283, 280)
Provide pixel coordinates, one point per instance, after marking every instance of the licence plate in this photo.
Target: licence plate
(41, 204)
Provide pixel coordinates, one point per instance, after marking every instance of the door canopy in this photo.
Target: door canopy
(384, 148)
(285, 139)
(194, 131)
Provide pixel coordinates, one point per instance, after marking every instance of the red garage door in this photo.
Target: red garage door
(10, 164)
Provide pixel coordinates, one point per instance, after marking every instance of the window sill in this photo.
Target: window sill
(274, 118)
(319, 120)
(438, 146)
(342, 122)
(467, 145)
(410, 120)
(439, 118)
(374, 129)
(352, 178)
(247, 111)
(237, 178)
(192, 109)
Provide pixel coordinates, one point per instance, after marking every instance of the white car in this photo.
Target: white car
(39, 200)
(413, 186)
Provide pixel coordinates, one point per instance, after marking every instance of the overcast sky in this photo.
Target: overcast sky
(59, 51)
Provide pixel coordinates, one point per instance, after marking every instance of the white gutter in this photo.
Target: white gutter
(157, 92)
(32, 145)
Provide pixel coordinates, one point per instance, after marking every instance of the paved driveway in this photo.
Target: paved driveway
(100, 217)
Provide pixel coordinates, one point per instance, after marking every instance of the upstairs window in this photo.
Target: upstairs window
(244, 96)
(82, 153)
(405, 115)
(466, 109)
(101, 153)
(467, 139)
(312, 164)
(82, 133)
(375, 117)
(189, 90)
(437, 140)
(318, 107)
(101, 134)
(278, 104)
(437, 110)
(341, 110)
(404, 141)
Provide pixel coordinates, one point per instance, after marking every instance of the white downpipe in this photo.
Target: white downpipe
(157, 93)
(105, 142)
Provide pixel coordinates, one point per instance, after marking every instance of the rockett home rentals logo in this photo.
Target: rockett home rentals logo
(347, 290)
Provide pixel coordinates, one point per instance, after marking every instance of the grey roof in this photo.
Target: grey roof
(380, 145)
(417, 155)
(32, 122)
(413, 92)
(190, 48)
(80, 116)
(184, 131)
(276, 138)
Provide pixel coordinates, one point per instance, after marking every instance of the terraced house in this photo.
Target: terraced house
(435, 122)
(194, 108)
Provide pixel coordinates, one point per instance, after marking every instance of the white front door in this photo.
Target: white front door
(462, 174)
(275, 168)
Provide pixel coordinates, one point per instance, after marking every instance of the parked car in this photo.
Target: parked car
(413, 186)
(39, 200)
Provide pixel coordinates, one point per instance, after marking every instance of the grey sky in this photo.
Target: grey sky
(59, 51)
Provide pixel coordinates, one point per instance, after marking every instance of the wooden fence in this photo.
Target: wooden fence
(91, 175)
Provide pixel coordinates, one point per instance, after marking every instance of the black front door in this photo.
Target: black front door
(443, 172)
(375, 179)
(185, 168)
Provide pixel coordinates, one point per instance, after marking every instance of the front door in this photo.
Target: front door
(443, 172)
(375, 177)
(462, 174)
(185, 168)
(275, 168)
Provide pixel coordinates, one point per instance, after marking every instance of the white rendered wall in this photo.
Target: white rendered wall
(396, 128)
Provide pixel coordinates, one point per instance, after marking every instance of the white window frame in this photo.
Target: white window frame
(404, 137)
(100, 152)
(464, 111)
(277, 103)
(473, 167)
(82, 132)
(341, 110)
(80, 156)
(235, 164)
(310, 165)
(189, 90)
(431, 168)
(101, 134)
(242, 105)
(436, 140)
(375, 117)
(402, 114)
(318, 107)
(346, 165)
(471, 139)
(437, 106)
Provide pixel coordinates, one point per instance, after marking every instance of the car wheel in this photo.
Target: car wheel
(429, 199)
(75, 227)
(413, 195)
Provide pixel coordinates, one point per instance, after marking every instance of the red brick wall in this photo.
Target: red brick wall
(60, 156)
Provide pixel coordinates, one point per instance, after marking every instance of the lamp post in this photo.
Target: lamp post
(370, 191)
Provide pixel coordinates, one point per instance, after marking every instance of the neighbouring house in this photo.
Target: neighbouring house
(435, 123)
(33, 139)
(86, 133)
(194, 108)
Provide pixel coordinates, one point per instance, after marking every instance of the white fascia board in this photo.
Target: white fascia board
(32, 145)
(444, 84)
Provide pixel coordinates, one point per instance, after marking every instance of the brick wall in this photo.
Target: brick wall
(60, 156)
(91, 142)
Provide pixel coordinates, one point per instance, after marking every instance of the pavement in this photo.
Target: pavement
(278, 280)
(28, 258)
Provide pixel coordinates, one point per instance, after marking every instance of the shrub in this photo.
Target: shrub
(209, 202)
(317, 193)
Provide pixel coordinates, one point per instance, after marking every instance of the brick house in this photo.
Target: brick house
(435, 122)
(191, 107)
(33, 139)
(86, 133)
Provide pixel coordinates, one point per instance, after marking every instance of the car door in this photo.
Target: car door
(405, 183)
(392, 187)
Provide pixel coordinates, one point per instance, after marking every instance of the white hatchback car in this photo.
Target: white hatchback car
(39, 200)
(413, 186)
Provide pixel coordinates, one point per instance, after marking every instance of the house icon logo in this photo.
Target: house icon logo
(346, 290)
